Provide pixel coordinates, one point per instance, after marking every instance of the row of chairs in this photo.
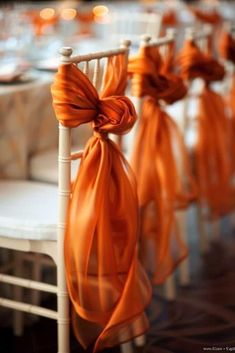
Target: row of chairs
(29, 221)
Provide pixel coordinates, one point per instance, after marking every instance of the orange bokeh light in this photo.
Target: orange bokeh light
(47, 13)
(68, 14)
(100, 11)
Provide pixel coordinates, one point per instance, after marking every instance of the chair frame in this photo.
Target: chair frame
(201, 37)
(184, 277)
(122, 21)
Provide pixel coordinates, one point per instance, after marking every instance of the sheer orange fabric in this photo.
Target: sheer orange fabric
(169, 18)
(108, 288)
(85, 19)
(41, 23)
(212, 162)
(227, 51)
(160, 163)
(212, 17)
(227, 46)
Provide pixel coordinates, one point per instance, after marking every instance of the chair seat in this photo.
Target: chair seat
(44, 167)
(28, 210)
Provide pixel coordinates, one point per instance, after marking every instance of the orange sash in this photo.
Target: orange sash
(212, 17)
(227, 51)
(212, 163)
(227, 46)
(40, 23)
(161, 185)
(108, 288)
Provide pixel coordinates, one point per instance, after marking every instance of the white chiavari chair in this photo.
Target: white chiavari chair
(201, 38)
(184, 277)
(29, 220)
(131, 25)
(42, 166)
(229, 27)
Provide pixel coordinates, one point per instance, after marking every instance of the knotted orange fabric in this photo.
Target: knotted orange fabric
(160, 163)
(212, 17)
(212, 162)
(85, 19)
(227, 51)
(41, 23)
(169, 18)
(227, 46)
(108, 288)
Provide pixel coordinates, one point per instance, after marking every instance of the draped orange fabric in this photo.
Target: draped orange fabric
(169, 18)
(85, 19)
(227, 51)
(160, 163)
(39, 22)
(212, 162)
(212, 17)
(108, 288)
(227, 46)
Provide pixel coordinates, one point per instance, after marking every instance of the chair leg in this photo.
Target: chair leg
(18, 316)
(170, 289)
(37, 275)
(203, 236)
(140, 341)
(127, 347)
(184, 276)
(63, 310)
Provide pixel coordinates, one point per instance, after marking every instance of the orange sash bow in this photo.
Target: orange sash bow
(161, 185)
(108, 288)
(212, 17)
(227, 51)
(227, 46)
(169, 18)
(40, 23)
(212, 163)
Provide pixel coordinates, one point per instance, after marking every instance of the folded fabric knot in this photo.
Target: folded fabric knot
(151, 76)
(212, 17)
(227, 46)
(194, 63)
(100, 135)
(76, 102)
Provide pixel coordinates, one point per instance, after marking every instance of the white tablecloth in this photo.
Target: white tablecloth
(27, 124)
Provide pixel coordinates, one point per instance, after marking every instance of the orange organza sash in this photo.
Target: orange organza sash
(212, 163)
(212, 17)
(160, 163)
(41, 23)
(227, 46)
(169, 18)
(108, 288)
(227, 51)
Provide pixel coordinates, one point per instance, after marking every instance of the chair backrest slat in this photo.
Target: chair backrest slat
(131, 25)
(86, 68)
(200, 37)
(96, 74)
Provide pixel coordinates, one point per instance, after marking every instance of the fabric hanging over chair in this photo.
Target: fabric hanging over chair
(108, 287)
(212, 161)
(160, 162)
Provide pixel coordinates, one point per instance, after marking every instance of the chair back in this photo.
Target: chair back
(94, 67)
(132, 25)
(200, 37)
(161, 43)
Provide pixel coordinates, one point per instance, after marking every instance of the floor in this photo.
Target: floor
(202, 318)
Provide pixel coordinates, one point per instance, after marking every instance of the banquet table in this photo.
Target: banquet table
(27, 123)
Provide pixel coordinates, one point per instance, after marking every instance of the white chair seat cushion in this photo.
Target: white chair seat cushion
(44, 167)
(28, 210)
